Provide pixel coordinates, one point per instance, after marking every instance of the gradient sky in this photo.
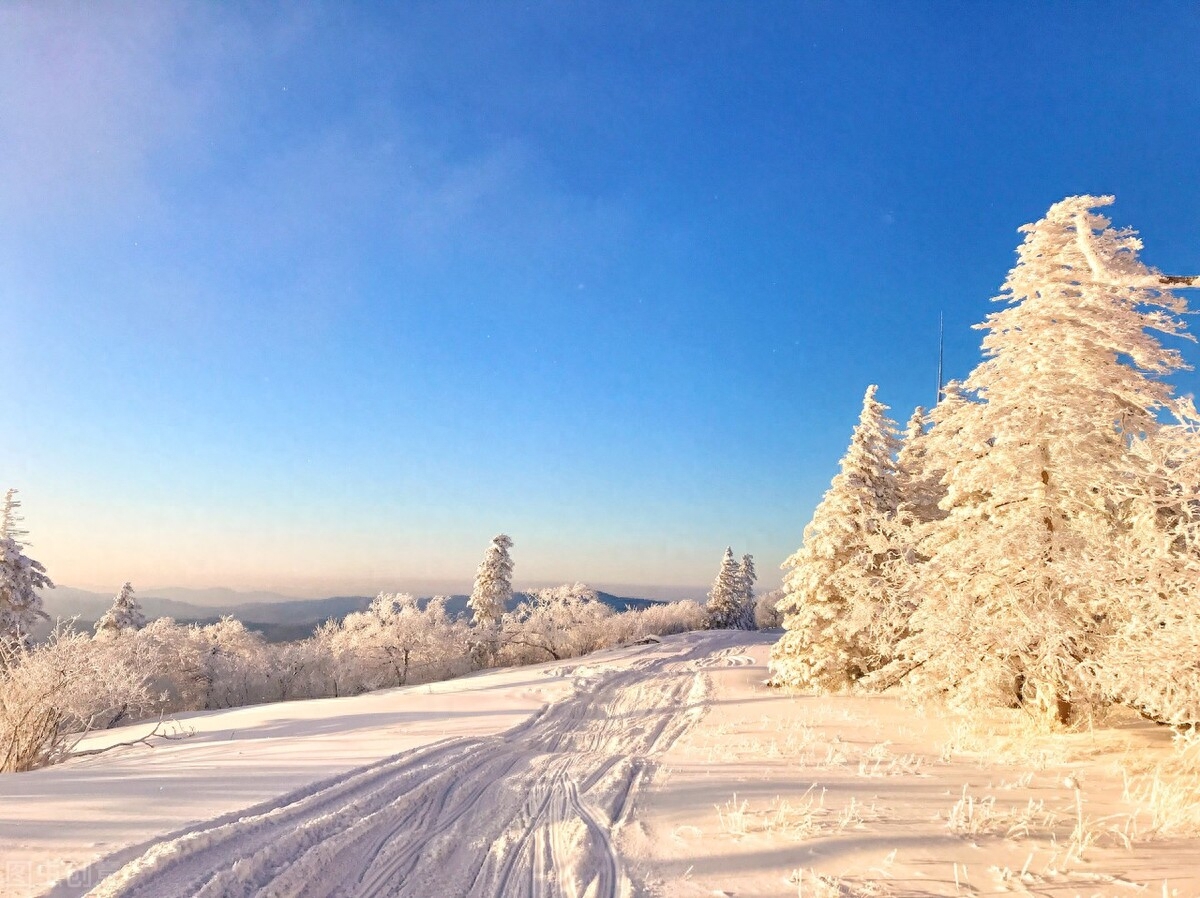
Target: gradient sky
(320, 297)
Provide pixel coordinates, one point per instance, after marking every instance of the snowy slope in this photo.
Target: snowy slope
(657, 770)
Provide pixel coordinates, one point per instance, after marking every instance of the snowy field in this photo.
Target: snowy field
(655, 770)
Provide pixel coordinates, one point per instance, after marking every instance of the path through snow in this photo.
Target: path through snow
(529, 812)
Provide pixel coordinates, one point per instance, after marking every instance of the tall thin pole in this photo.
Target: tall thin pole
(941, 355)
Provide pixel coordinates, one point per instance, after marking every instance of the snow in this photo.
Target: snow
(61, 819)
(666, 769)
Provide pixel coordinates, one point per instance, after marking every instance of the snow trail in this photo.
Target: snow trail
(529, 812)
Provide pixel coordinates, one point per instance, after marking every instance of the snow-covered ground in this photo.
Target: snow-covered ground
(659, 770)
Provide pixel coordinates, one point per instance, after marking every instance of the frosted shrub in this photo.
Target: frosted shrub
(396, 642)
(657, 620)
(551, 624)
(767, 615)
(53, 694)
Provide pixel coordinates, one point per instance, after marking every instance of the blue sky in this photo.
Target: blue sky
(319, 297)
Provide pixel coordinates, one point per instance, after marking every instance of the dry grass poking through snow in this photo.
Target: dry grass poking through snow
(1167, 792)
(796, 819)
(860, 796)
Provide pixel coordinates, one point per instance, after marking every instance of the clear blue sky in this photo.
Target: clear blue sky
(319, 297)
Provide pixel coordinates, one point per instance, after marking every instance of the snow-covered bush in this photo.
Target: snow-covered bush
(552, 624)
(396, 642)
(52, 694)
(767, 615)
(663, 619)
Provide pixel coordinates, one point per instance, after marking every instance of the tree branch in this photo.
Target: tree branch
(157, 732)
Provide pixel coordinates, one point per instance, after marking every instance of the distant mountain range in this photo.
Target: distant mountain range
(279, 618)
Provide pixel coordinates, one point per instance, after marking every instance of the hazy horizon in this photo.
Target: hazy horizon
(204, 594)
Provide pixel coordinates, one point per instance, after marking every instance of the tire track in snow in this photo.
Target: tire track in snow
(530, 813)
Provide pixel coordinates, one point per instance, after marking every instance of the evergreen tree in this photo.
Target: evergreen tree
(918, 479)
(10, 524)
(493, 584)
(20, 578)
(125, 614)
(746, 619)
(1026, 580)
(840, 578)
(723, 610)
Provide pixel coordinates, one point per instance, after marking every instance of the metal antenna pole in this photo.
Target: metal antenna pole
(941, 355)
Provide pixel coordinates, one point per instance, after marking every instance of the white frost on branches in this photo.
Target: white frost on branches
(1030, 575)
(493, 583)
(20, 578)
(838, 583)
(125, 614)
(555, 623)
(1044, 546)
(730, 602)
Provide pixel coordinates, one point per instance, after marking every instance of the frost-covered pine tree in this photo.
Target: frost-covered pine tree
(749, 576)
(10, 523)
(493, 583)
(839, 579)
(918, 479)
(20, 578)
(723, 610)
(125, 614)
(1026, 580)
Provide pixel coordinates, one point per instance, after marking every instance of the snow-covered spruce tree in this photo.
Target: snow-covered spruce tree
(20, 578)
(746, 619)
(489, 599)
(493, 583)
(10, 522)
(723, 610)
(125, 614)
(1026, 579)
(918, 477)
(839, 581)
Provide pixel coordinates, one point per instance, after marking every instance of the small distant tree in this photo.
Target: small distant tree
(489, 600)
(724, 609)
(20, 577)
(493, 583)
(746, 619)
(840, 579)
(125, 614)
